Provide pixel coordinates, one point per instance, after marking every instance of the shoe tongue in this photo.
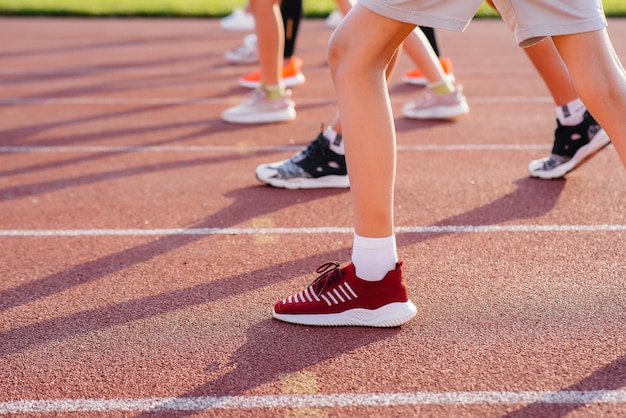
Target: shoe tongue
(322, 141)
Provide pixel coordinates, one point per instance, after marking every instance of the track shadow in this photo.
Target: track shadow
(58, 329)
(411, 125)
(244, 207)
(610, 377)
(22, 191)
(134, 42)
(273, 349)
(533, 198)
(19, 134)
(206, 128)
(118, 69)
(525, 202)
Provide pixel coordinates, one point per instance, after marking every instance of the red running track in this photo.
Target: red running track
(140, 257)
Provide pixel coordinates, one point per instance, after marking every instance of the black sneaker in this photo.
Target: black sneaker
(315, 167)
(573, 145)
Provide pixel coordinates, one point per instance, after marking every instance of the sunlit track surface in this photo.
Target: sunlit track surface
(141, 258)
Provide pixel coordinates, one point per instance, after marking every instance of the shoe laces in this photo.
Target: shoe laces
(329, 274)
(315, 147)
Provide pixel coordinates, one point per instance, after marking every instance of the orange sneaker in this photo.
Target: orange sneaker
(416, 76)
(292, 75)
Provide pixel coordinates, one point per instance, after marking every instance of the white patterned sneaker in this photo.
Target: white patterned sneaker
(247, 53)
(334, 19)
(436, 106)
(258, 108)
(239, 19)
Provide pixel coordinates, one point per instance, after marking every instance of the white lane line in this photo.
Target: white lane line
(57, 101)
(313, 401)
(142, 148)
(237, 148)
(96, 101)
(307, 230)
(233, 148)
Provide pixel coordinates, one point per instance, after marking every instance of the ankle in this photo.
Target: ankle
(273, 92)
(442, 87)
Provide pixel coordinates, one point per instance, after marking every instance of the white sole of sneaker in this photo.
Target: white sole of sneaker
(423, 81)
(292, 81)
(265, 117)
(325, 182)
(599, 141)
(236, 60)
(391, 315)
(439, 112)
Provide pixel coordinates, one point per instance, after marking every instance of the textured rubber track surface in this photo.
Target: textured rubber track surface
(140, 258)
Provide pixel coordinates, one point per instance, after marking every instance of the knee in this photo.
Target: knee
(345, 57)
(337, 54)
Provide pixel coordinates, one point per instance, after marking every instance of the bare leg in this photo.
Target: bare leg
(270, 39)
(336, 123)
(422, 54)
(358, 65)
(602, 86)
(344, 6)
(552, 70)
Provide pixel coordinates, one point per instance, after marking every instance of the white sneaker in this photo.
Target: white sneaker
(257, 108)
(247, 53)
(239, 19)
(435, 106)
(334, 18)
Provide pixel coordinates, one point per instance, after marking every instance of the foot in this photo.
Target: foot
(436, 106)
(573, 145)
(239, 19)
(339, 298)
(247, 53)
(258, 108)
(315, 167)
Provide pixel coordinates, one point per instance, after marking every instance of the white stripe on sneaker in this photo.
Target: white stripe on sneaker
(351, 291)
(338, 295)
(330, 295)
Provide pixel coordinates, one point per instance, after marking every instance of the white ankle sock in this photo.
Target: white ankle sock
(335, 139)
(374, 257)
(571, 113)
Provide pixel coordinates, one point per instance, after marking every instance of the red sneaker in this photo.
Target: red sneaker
(338, 297)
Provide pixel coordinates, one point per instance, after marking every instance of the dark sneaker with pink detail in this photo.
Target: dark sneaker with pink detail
(339, 298)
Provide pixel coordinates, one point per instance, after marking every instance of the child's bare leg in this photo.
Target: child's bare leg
(270, 38)
(336, 123)
(553, 71)
(358, 61)
(422, 54)
(344, 6)
(601, 86)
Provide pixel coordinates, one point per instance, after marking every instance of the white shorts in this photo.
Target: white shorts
(530, 20)
(533, 20)
(442, 14)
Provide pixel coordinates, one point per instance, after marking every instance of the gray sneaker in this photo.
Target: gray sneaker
(573, 145)
(315, 167)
